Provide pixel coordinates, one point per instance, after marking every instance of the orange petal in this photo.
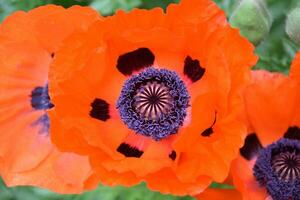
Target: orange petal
(295, 67)
(244, 180)
(270, 117)
(53, 174)
(219, 194)
(172, 185)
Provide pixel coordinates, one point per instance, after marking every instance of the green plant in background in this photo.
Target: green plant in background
(139, 192)
(108, 7)
(8, 6)
(264, 22)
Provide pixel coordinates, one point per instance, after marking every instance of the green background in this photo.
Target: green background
(276, 52)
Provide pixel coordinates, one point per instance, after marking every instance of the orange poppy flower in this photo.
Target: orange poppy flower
(269, 163)
(28, 42)
(153, 97)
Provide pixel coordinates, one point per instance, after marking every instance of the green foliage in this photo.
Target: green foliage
(108, 7)
(157, 3)
(139, 192)
(227, 5)
(105, 7)
(222, 186)
(9, 6)
(5, 9)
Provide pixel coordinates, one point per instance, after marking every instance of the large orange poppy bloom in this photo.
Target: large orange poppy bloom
(269, 163)
(28, 43)
(153, 97)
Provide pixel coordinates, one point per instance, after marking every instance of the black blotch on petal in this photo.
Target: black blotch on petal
(292, 133)
(129, 151)
(193, 69)
(52, 55)
(173, 155)
(207, 132)
(251, 147)
(40, 99)
(135, 60)
(100, 109)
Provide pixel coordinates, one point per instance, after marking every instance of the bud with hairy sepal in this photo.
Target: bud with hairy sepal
(253, 19)
(293, 25)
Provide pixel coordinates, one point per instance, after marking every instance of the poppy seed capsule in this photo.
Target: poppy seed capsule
(253, 19)
(154, 103)
(292, 27)
(278, 169)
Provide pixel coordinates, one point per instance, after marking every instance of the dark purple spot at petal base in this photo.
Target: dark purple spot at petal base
(129, 151)
(251, 147)
(100, 109)
(44, 124)
(193, 69)
(40, 99)
(173, 155)
(292, 133)
(135, 60)
(207, 132)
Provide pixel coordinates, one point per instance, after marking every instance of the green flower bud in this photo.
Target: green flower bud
(253, 19)
(292, 27)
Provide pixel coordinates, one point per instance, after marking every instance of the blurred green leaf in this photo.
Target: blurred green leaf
(108, 7)
(227, 5)
(69, 3)
(6, 7)
(9, 6)
(221, 186)
(139, 192)
(157, 3)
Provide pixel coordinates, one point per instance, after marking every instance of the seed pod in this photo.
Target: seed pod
(253, 19)
(292, 27)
